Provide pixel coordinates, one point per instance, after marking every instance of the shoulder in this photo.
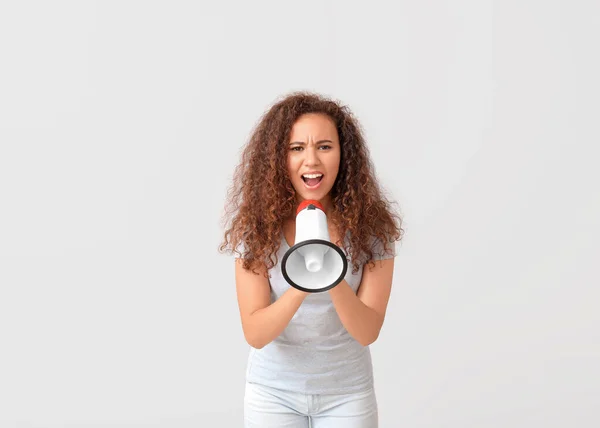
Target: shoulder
(382, 249)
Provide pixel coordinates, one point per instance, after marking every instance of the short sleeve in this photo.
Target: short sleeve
(239, 249)
(380, 252)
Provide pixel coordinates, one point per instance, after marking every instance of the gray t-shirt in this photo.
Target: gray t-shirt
(314, 354)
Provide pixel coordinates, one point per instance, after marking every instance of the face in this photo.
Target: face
(313, 157)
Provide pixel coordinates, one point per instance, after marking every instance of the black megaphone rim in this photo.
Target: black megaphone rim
(314, 241)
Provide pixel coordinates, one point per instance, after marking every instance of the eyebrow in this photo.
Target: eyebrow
(318, 142)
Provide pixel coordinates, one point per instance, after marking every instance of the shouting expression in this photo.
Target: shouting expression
(313, 157)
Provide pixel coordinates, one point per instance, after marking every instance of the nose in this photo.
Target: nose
(312, 156)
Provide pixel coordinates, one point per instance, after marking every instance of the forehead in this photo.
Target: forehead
(315, 125)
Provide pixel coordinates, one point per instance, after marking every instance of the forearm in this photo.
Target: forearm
(362, 322)
(268, 323)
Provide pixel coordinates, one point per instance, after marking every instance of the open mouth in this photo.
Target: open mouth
(312, 180)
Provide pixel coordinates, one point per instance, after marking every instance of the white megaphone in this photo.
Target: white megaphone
(313, 264)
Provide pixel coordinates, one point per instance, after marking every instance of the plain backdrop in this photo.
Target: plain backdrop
(120, 126)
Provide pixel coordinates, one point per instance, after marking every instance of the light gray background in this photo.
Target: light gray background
(120, 126)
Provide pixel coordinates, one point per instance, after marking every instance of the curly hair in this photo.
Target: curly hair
(261, 196)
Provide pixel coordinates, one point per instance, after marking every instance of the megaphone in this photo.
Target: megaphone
(313, 264)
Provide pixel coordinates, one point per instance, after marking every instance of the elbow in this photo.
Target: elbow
(254, 341)
(369, 340)
(372, 336)
(254, 335)
(256, 345)
(366, 343)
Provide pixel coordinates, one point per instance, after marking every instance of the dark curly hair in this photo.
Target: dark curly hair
(261, 196)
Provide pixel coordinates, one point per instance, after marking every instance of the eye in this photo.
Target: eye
(295, 149)
(326, 146)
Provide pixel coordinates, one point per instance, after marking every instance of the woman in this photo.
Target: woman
(309, 362)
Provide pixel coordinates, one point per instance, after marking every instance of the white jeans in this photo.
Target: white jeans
(266, 407)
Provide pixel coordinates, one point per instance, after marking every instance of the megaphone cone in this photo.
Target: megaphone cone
(313, 264)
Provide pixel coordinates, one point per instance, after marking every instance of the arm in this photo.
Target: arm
(363, 313)
(263, 321)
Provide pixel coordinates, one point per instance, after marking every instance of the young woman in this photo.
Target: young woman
(309, 362)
